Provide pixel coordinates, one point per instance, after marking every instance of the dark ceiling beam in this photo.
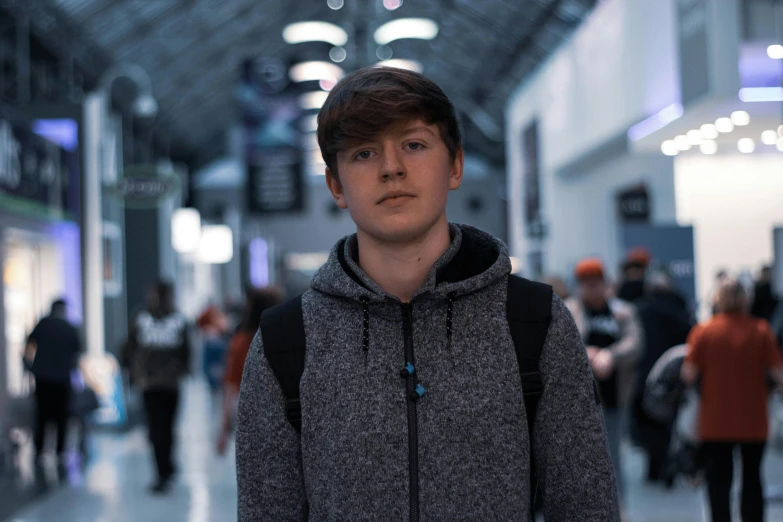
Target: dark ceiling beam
(501, 67)
(143, 29)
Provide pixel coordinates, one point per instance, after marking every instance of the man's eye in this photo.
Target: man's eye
(414, 146)
(363, 155)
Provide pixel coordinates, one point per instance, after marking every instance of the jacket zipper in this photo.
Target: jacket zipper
(413, 427)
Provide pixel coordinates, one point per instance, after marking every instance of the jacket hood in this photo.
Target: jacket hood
(473, 261)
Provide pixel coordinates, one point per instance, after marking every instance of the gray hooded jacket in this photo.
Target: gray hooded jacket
(460, 452)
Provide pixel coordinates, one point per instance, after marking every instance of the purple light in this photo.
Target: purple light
(655, 122)
(756, 69)
(259, 263)
(64, 133)
(67, 237)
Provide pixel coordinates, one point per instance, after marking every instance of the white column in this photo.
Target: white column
(92, 242)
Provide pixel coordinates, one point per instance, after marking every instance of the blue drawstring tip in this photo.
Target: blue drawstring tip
(418, 393)
(408, 370)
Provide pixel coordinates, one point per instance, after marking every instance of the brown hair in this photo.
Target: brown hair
(731, 297)
(370, 100)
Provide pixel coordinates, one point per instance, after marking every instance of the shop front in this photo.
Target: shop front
(39, 245)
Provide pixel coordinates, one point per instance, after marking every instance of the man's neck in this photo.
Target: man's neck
(401, 268)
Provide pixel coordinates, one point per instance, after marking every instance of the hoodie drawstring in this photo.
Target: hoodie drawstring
(449, 316)
(366, 328)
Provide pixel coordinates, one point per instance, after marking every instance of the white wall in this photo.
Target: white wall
(583, 211)
(620, 67)
(734, 202)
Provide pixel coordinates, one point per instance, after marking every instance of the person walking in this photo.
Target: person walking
(732, 355)
(160, 354)
(258, 301)
(666, 322)
(611, 330)
(52, 354)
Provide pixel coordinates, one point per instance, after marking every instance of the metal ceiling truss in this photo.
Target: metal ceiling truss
(192, 50)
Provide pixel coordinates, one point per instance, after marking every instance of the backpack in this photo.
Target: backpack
(528, 310)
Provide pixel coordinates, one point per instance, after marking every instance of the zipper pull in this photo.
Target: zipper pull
(418, 393)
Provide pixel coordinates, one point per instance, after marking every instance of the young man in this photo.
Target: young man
(611, 331)
(411, 400)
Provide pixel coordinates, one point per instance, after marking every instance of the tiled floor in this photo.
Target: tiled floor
(114, 487)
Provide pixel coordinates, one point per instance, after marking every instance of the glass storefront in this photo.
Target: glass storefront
(32, 279)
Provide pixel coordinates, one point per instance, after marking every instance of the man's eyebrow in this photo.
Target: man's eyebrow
(418, 128)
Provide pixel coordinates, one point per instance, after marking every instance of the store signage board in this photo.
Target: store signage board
(672, 247)
(272, 120)
(34, 171)
(633, 205)
(144, 186)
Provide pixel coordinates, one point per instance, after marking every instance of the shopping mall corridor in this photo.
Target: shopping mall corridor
(114, 488)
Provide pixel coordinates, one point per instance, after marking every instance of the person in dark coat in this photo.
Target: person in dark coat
(765, 302)
(631, 287)
(52, 354)
(666, 323)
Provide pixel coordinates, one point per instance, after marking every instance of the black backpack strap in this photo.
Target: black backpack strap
(529, 312)
(283, 334)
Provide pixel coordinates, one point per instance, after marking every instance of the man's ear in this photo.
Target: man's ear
(456, 172)
(336, 189)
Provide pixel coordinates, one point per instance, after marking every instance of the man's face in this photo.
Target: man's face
(592, 291)
(396, 185)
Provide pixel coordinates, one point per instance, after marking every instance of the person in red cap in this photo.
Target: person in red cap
(634, 267)
(612, 334)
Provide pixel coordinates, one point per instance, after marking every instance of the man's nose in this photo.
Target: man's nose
(392, 166)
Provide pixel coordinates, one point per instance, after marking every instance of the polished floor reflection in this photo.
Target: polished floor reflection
(114, 487)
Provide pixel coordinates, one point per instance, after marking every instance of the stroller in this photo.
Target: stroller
(667, 400)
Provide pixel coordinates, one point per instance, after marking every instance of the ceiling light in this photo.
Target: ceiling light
(708, 131)
(335, 4)
(186, 230)
(780, 131)
(313, 100)
(761, 94)
(740, 118)
(694, 137)
(682, 142)
(391, 5)
(410, 65)
(327, 85)
(724, 125)
(337, 54)
(216, 245)
(708, 147)
(145, 106)
(746, 145)
(769, 137)
(775, 52)
(313, 71)
(422, 28)
(655, 122)
(384, 52)
(669, 148)
(315, 32)
(779, 144)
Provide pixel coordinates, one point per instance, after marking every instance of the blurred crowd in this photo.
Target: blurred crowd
(687, 394)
